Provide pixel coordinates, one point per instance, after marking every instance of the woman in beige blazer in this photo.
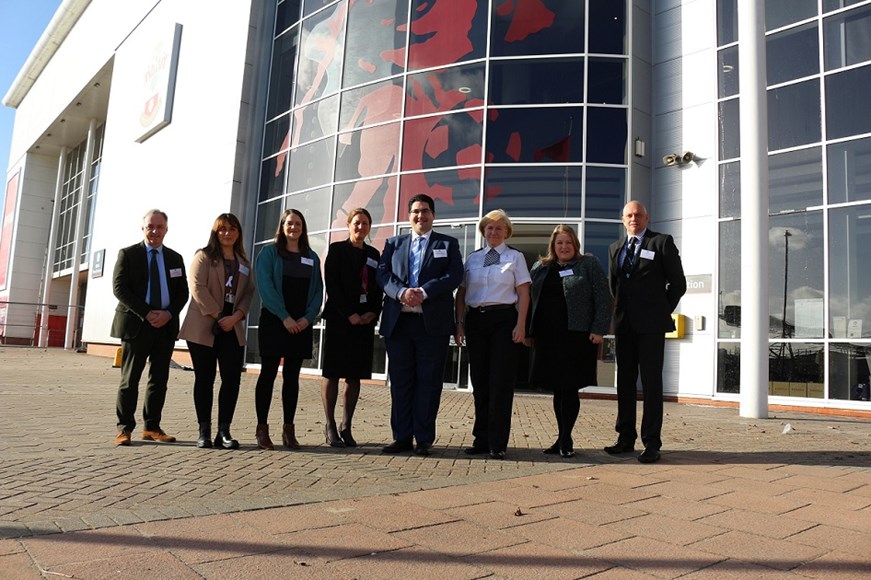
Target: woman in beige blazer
(222, 287)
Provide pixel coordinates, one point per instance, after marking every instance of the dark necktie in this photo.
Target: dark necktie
(629, 258)
(491, 258)
(155, 301)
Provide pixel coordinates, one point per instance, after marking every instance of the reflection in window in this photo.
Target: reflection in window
(314, 121)
(849, 170)
(311, 6)
(606, 135)
(782, 12)
(729, 367)
(275, 135)
(796, 369)
(792, 54)
(368, 152)
(311, 165)
(847, 96)
(539, 81)
(268, 215)
(729, 308)
(447, 89)
(850, 276)
(727, 74)
(446, 32)
(375, 103)
(829, 5)
(375, 31)
(272, 174)
(535, 135)
(377, 195)
(795, 180)
(730, 189)
(606, 81)
(286, 14)
(527, 28)
(795, 275)
(729, 135)
(727, 22)
(605, 192)
(442, 141)
(321, 54)
(315, 205)
(846, 38)
(534, 191)
(281, 79)
(848, 371)
(607, 26)
(794, 115)
(456, 191)
(598, 237)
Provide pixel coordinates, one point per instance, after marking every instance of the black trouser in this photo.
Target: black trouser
(289, 387)
(644, 351)
(154, 344)
(228, 355)
(493, 360)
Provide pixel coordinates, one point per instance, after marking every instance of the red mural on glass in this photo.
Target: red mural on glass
(527, 17)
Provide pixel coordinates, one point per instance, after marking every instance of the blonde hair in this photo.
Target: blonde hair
(497, 215)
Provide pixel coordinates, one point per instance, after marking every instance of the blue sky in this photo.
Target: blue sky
(21, 24)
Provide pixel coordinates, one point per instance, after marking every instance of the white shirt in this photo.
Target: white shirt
(496, 284)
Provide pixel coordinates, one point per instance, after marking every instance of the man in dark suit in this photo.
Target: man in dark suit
(419, 273)
(151, 287)
(647, 282)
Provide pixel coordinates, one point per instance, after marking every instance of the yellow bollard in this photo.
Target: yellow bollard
(116, 364)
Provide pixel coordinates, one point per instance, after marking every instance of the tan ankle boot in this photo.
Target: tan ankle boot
(262, 435)
(288, 437)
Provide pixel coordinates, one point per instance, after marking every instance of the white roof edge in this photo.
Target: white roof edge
(57, 30)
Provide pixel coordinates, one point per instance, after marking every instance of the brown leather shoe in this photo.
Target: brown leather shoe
(158, 435)
(288, 436)
(122, 438)
(262, 436)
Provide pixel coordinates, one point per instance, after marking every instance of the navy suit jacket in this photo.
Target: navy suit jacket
(645, 300)
(130, 284)
(439, 277)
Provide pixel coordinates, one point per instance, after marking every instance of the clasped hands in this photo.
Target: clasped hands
(158, 318)
(412, 297)
(295, 326)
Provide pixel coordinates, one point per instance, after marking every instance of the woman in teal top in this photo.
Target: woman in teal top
(291, 291)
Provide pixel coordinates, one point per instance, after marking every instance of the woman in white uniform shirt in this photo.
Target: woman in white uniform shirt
(491, 306)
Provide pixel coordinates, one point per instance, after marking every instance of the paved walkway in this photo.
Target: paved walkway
(789, 496)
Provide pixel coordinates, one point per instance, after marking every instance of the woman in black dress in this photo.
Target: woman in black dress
(353, 305)
(570, 311)
(291, 291)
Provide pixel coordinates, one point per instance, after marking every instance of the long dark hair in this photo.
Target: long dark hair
(281, 239)
(213, 248)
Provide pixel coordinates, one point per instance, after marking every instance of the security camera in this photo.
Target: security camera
(687, 157)
(670, 159)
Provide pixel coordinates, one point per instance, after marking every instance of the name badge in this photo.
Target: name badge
(307, 261)
(371, 263)
(243, 269)
(175, 272)
(566, 273)
(363, 299)
(647, 254)
(439, 253)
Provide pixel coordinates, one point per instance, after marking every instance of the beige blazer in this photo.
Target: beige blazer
(206, 280)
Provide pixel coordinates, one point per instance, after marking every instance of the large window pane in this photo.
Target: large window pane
(848, 371)
(727, 74)
(829, 5)
(534, 191)
(441, 141)
(272, 174)
(446, 32)
(314, 121)
(447, 89)
(847, 96)
(794, 115)
(795, 180)
(606, 81)
(281, 78)
(850, 276)
(286, 14)
(607, 26)
(549, 27)
(847, 38)
(727, 22)
(376, 35)
(276, 135)
(532, 82)
(456, 191)
(849, 170)
(606, 135)
(315, 206)
(368, 152)
(376, 103)
(795, 275)
(792, 54)
(729, 136)
(796, 370)
(782, 12)
(311, 165)
(535, 135)
(605, 191)
(729, 323)
(321, 53)
(729, 367)
(377, 195)
(598, 237)
(730, 189)
(268, 215)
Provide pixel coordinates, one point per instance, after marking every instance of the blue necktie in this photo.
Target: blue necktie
(414, 261)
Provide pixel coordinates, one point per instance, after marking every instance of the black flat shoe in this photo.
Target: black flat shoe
(346, 436)
(620, 447)
(566, 453)
(331, 437)
(649, 455)
(553, 449)
(497, 455)
(423, 449)
(225, 441)
(398, 447)
(475, 450)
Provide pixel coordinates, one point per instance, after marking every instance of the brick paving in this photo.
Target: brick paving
(731, 497)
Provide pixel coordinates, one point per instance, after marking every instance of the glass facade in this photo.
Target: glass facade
(819, 79)
(481, 104)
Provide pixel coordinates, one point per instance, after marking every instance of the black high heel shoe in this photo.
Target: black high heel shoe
(553, 449)
(332, 437)
(346, 436)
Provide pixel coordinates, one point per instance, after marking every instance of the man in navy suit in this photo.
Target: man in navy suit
(647, 282)
(419, 273)
(151, 287)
